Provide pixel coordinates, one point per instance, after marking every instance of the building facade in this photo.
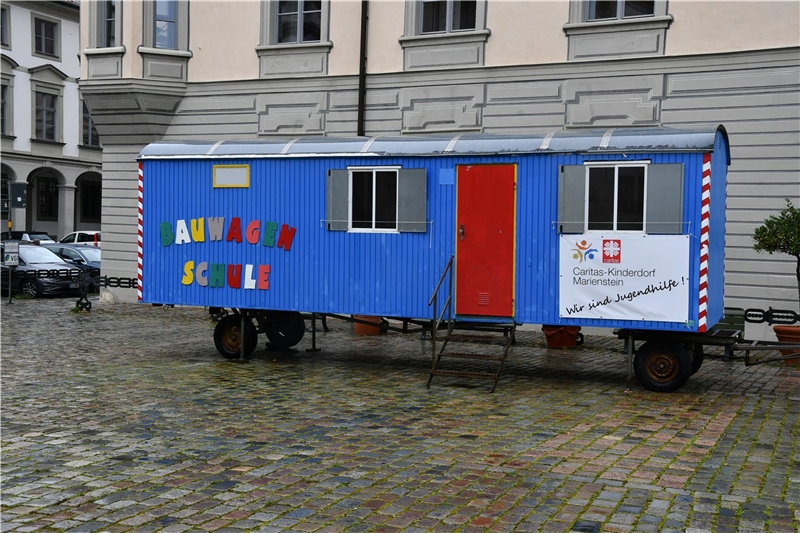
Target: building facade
(49, 142)
(181, 70)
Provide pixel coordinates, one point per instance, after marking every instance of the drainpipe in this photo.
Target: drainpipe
(362, 68)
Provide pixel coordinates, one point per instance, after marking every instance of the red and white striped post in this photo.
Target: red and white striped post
(139, 239)
(705, 213)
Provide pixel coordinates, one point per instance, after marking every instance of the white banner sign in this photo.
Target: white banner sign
(625, 277)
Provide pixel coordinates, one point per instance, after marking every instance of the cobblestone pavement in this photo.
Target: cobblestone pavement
(126, 419)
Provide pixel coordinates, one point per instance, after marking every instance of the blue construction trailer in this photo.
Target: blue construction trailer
(617, 228)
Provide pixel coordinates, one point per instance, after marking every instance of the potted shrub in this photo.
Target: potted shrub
(781, 234)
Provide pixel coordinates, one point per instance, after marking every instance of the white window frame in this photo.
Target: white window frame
(98, 14)
(35, 17)
(620, 12)
(300, 14)
(5, 15)
(374, 170)
(448, 19)
(181, 27)
(7, 80)
(56, 116)
(616, 165)
(83, 116)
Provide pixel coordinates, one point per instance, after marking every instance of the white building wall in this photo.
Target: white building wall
(65, 160)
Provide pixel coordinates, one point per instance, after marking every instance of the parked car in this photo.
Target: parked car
(82, 237)
(33, 258)
(32, 236)
(80, 255)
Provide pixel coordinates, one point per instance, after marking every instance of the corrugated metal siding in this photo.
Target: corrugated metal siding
(716, 271)
(389, 275)
(325, 271)
(537, 256)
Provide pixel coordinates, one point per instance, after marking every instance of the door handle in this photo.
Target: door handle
(461, 232)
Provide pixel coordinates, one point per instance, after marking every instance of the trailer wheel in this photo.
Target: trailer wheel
(228, 336)
(662, 366)
(285, 330)
(698, 356)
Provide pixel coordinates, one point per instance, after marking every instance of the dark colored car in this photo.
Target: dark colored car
(81, 255)
(61, 280)
(26, 236)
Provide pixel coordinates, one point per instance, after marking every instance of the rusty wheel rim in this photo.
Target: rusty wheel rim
(662, 366)
(231, 338)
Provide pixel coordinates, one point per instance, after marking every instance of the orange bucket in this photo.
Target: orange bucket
(367, 329)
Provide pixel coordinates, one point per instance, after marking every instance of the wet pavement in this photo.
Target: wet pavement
(127, 419)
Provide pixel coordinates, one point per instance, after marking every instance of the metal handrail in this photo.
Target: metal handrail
(441, 279)
(447, 307)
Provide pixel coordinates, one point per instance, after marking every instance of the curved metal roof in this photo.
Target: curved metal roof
(627, 140)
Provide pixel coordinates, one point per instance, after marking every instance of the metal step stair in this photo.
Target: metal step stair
(486, 341)
(483, 332)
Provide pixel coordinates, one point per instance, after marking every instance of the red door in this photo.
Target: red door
(485, 239)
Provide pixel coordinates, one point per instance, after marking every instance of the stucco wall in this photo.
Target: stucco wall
(217, 54)
(385, 28)
(707, 27)
(525, 33)
(132, 16)
(346, 36)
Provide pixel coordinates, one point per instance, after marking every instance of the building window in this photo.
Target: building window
(45, 35)
(7, 83)
(166, 25)
(299, 21)
(606, 29)
(109, 18)
(294, 38)
(615, 198)
(5, 37)
(91, 201)
(444, 34)
(618, 9)
(90, 136)
(47, 205)
(46, 116)
(373, 199)
(3, 111)
(440, 16)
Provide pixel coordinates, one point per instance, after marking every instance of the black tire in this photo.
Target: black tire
(228, 338)
(698, 356)
(30, 287)
(662, 366)
(286, 329)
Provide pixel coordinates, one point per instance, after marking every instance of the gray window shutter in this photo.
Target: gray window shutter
(571, 199)
(665, 199)
(412, 200)
(338, 186)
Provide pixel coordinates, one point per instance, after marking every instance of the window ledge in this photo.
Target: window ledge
(296, 47)
(433, 39)
(609, 26)
(104, 51)
(145, 50)
(45, 141)
(9, 137)
(48, 57)
(90, 147)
